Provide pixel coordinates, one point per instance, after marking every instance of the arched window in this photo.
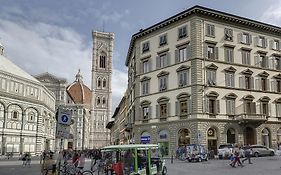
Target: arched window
(102, 61)
(15, 115)
(104, 83)
(98, 101)
(99, 82)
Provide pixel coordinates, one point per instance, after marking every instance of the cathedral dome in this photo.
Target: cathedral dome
(78, 92)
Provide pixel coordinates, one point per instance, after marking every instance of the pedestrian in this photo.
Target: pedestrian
(28, 159)
(236, 153)
(75, 159)
(81, 161)
(248, 153)
(24, 159)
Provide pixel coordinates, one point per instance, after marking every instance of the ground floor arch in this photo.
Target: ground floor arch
(266, 137)
(183, 137)
(250, 136)
(230, 136)
(212, 138)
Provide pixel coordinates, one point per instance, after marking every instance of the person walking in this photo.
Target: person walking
(28, 159)
(248, 153)
(81, 161)
(236, 157)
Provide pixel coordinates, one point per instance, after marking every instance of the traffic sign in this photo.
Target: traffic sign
(64, 117)
(62, 131)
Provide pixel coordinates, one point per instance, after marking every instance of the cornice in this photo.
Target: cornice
(207, 13)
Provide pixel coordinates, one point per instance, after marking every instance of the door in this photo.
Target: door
(212, 146)
(249, 136)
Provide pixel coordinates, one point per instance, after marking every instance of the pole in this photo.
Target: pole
(61, 148)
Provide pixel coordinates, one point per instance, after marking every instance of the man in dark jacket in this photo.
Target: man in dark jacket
(248, 151)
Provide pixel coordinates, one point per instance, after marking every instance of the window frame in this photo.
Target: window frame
(181, 33)
(210, 30)
(162, 79)
(229, 54)
(246, 57)
(145, 47)
(228, 33)
(163, 40)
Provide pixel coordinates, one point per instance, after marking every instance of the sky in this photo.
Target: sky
(55, 35)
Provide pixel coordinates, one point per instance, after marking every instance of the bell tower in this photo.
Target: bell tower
(101, 88)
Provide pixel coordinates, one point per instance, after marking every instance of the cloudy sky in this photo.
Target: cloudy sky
(55, 35)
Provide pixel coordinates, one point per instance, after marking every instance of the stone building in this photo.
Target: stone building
(208, 77)
(119, 128)
(75, 97)
(101, 88)
(27, 111)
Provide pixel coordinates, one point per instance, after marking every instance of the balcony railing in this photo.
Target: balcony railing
(253, 118)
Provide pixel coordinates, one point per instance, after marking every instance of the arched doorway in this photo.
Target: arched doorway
(249, 136)
(212, 140)
(184, 137)
(163, 142)
(265, 137)
(230, 138)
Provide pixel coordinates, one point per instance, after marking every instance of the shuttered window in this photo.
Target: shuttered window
(230, 106)
(278, 109)
(182, 32)
(246, 58)
(228, 54)
(210, 30)
(211, 77)
(229, 79)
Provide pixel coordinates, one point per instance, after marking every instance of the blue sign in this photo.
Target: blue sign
(145, 139)
(64, 118)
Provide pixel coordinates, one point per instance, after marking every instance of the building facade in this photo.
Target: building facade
(75, 97)
(208, 77)
(27, 111)
(119, 128)
(101, 88)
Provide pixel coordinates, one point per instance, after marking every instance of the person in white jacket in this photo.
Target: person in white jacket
(81, 160)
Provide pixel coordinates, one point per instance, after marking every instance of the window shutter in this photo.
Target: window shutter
(148, 87)
(216, 53)
(149, 112)
(227, 79)
(177, 56)
(252, 83)
(258, 85)
(267, 85)
(142, 65)
(266, 62)
(226, 55)
(157, 62)
(177, 108)
(205, 52)
(188, 51)
(265, 42)
(187, 77)
(271, 63)
(217, 106)
(168, 109)
(269, 109)
(233, 107)
(271, 44)
(253, 108)
(278, 109)
(157, 111)
(258, 108)
(189, 103)
(257, 61)
(167, 60)
(206, 105)
(256, 41)
(273, 86)
(242, 82)
(149, 65)
(228, 106)
(140, 114)
(239, 37)
(250, 39)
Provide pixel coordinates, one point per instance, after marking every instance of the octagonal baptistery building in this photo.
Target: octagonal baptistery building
(27, 111)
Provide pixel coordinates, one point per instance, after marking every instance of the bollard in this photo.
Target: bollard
(172, 159)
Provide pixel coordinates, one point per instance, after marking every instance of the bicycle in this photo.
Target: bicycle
(70, 169)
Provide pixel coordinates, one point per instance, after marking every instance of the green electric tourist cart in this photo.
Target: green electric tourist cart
(134, 159)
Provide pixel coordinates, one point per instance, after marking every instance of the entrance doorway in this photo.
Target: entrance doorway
(212, 140)
(230, 135)
(249, 136)
(265, 137)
